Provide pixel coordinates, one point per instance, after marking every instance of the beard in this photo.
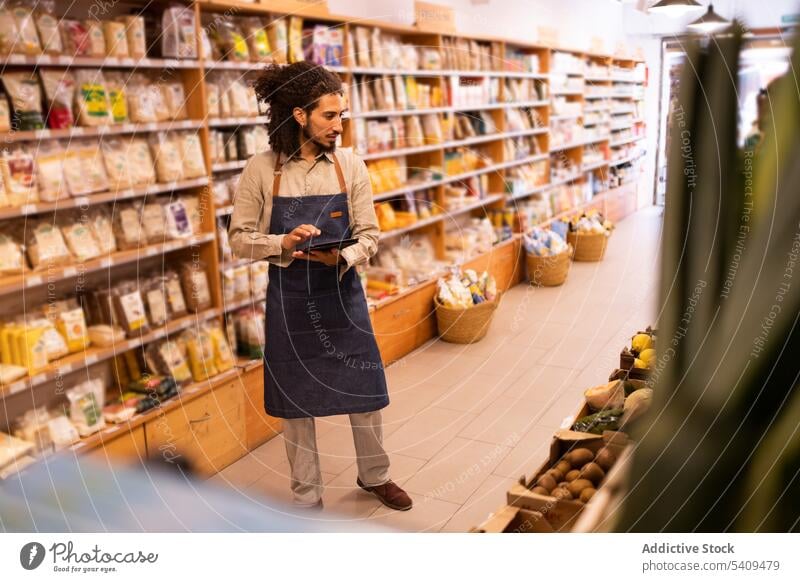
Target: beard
(323, 147)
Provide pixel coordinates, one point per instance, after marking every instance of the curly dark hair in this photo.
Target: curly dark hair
(300, 84)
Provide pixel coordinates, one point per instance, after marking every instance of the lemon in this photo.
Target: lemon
(637, 363)
(647, 355)
(641, 342)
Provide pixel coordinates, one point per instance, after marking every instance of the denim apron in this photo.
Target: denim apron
(321, 357)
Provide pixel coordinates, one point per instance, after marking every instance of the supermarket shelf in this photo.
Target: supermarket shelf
(410, 187)
(226, 166)
(623, 142)
(224, 210)
(224, 265)
(597, 78)
(620, 127)
(444, 73)
(531, 192)
(597, 139)
(592, 97)
(419, 224)
(253, 66)
(490, 199)
(566, 92)
(391, 153)
(595, 110)
(622, 111)
(494, 168)
(240, 303)
(624, 161)
(95, 62)
(594, 166)
(577, 144)
(238, 121)
(563, 181)
(450, 109)
(34, 279)
(111, 129)
(100, 198)
(565, 116)
(93, 355)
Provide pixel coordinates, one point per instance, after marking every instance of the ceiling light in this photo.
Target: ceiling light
(675, 8)
(709, 22)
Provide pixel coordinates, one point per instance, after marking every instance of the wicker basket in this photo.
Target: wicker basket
(548, 271)
(465, 325)
(589, 247)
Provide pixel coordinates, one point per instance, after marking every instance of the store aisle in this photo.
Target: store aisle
(466, 421)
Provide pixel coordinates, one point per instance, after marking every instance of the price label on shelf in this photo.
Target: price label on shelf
(38, 379)
(92, 359)
(70, 272)
(16, 387)
(77, 131)
(79, 445)
(106, 263)
(151, 251)
(65, 369)
(81, 201)
(127, 61)
(126, 193)
(150, 126)
(172, 64)
(27, 209)
(33, 281)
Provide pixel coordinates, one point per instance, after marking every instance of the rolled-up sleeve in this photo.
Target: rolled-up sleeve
(249, 223)
(363, 220)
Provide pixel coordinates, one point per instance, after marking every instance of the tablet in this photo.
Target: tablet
(326, 246)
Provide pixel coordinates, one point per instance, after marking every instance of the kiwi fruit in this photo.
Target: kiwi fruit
(561, 493)
(555, 474)
(605, 458)
(547, 482)
(578, 485)
(587, 494)
(579, 457)
(592, 472)
(564, 466)
(539, 490)
(572, 475)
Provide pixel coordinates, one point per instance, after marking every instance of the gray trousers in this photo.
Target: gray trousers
(300, 437)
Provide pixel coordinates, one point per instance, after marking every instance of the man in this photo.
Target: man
(321, 357)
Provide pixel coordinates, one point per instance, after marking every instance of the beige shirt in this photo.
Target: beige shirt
(252, 206)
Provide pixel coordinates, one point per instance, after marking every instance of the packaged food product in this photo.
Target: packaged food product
(12, 260)
(32, 427)
(228, 287)
(192, 204)
(154, 222)
(223, 356)
(174, 99)
(142, 168)
(194, 281)
(10, 37)
(193, 162)
(72, 326)
(129, 308)
(278, 40)
(4, 201)
(257, 39)
(59, 90)
(75, 37)
(73, 174)
(93, 168)
(86, 405)
(177, 223)
(19, 176)
(26, 99)
(224, 97)
(128, 226)
(106, 335)
(50, 179)
(116, 38)
(212, 99)
(232, 43)
(238, 98)
(80, 239)
(200, 348)
(92, 98)
(168, 156)
(250, 332)
(47, 25)
(117, 96)
(32, 348)
(97, 40)
(46, 246)
(259, 278)
(103, 230)
(5, 114)
(118, 166)
(145, 100)
(28, 39)
(134, 30)
(178, 40)
(155, 301)
(10, 373)
(295, 53)
(241, 278)
(168, 359)
(175, 300)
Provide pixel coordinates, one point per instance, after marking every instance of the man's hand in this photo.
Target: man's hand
(330, 258)
(299, 235)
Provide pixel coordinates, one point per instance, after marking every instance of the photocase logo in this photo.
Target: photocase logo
(31, 555)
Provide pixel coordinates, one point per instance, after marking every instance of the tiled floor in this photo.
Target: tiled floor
(466, 421)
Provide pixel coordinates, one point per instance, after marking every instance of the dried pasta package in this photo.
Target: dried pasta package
(278, 40)
(192, 205)
(19, 176)
(97, 40)
(80, 239)
(178, 39)
(155, 301)
(47, 25)
(75, 37)
(50, 178)
(12, 260)
(117, 96)
(46, 246)
(129, 308)
(224, 97)
(257, 39)
(259, 278)
(116, 39)
(200, 348)
(118, 166)
(154, 222)
(71, 324)
(128, 226)
(134, 33)
(10, 37)
(228, 287)
(59, 90)
(92, 98)
(175, 300)
(103, 229)
(143, 99)
(238, 98)
(223, 356)
(168, 359)
(28, 40)
(167, 156)
(92, 167)
(174, 100)
(142, 168)
(177, 223)
(231, 42)
(194, 281)
(295, 49)
(194, 164)
(26, 100)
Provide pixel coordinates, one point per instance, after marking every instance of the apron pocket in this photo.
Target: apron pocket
(316, 314)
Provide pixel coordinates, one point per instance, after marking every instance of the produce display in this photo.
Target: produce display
(642, 353)
(591, 222)
(467, 289)
(576, 476)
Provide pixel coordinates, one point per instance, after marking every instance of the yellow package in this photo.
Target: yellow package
(223, 357)
(32, 349)
(132, 363)
(295, 39)
(72, 326)
(201, 356)
(277, 40)
(121, 371)
(13, 336)
(5, 345)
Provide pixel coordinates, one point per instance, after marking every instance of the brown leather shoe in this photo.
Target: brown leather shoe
(390, 495)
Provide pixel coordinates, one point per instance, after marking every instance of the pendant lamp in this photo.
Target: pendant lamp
(710, 22)
(675, 8)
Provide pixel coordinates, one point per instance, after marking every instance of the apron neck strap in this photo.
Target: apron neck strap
(276, 179)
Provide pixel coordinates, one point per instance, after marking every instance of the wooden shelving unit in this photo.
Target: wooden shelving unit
(402, 322)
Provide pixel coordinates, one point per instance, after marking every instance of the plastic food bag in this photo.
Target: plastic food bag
(12, 260)
(80, 240)
(174, 99)
(97, 40)
(194, 281)
(128, 225)
(5, 114)
(257, 39)
(142, 167)
(129, 308)
(26, 100)
(116, 39)
(117, 96)
(28, 39)
(134, 30)
(168, 157)
(223, 356)
(194, 164)
(75, 38)
(71, 325)
(93, 171)
(177, 223)
(92, 98)
(231, 42)
(46, 246)
(154, 222)
(86, 406)
(51, 182)
(19, 176)
(155, 301)
(175, 299)
(178, 39)
(200, 347)
(59, 90)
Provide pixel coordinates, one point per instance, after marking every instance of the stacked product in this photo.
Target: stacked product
(588, 234)
(465, 304)
(547, 257)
